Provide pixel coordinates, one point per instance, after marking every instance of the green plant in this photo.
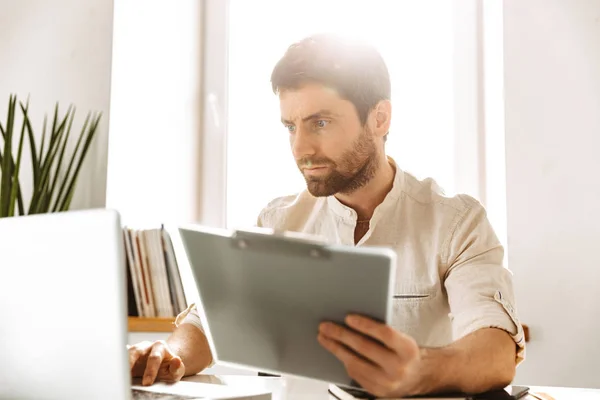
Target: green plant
(55, 169)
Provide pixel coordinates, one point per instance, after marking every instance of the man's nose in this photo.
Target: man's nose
(303, 143)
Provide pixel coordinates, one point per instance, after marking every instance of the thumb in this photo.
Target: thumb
(176, 368)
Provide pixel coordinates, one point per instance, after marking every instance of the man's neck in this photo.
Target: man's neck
(367, 198)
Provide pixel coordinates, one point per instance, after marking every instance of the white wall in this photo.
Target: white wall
(552, 105)
(60, 50)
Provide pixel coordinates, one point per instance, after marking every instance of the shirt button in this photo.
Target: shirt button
(349, 213)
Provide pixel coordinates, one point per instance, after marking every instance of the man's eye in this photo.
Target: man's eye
(290, 128)
(321, 123)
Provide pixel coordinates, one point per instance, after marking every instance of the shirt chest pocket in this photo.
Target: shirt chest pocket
(414, 308)
(414, 293)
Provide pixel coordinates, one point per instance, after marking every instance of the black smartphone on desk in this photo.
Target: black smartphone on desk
(508, 393)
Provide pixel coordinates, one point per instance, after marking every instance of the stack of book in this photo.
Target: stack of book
(154, 283)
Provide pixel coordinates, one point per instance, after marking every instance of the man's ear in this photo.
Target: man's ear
(382, 118)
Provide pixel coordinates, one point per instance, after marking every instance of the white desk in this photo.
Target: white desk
(243, 387)
(262, 388)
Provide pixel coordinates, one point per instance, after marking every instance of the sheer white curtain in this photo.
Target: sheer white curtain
(415, 38)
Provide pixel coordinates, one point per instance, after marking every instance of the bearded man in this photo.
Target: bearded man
(454, 325)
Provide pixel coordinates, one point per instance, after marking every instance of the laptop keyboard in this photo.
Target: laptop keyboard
(137, 394)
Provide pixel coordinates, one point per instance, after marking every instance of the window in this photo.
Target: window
(415, 38)
(207, 145)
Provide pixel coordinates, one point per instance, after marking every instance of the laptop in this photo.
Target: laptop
(63, 312)
(264, 293)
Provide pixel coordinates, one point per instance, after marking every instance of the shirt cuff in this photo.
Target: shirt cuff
(492, 316)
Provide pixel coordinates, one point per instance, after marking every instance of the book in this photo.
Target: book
(155, 287)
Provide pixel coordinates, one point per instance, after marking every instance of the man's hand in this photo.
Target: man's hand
(155, 360)
(382, 360)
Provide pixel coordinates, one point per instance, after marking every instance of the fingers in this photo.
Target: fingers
(381, 332)
(369, 376)
(154, 361)
(402, 344)
(351, 360)
(134, 355)
(175, 371)
(370, 349)
(362, 345)
(153, 364)
(137, 351)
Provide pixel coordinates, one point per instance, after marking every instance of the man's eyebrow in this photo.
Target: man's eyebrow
(317, 115)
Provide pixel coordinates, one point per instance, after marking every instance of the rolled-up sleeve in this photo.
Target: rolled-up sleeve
(190, 316)
(479, 286)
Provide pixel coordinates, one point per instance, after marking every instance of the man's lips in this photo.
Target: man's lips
(315, 170)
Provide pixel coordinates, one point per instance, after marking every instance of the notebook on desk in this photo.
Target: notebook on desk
(185, 390)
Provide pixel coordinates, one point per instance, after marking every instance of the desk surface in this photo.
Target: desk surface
(251, 387)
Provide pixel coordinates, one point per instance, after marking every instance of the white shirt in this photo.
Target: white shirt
(450, 281)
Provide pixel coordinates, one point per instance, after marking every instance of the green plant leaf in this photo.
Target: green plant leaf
(40, 197)
(5, 182)
(62, 152)
(67, 202)
(19, 194)
(32, 146)
(55, 146)
(88, 140)
(2, 132)
(51, 135)
(47, 161)
(41, 155)
(40, 201)
(16, 187)
(61, 192)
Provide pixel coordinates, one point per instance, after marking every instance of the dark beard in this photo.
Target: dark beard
(355, 169)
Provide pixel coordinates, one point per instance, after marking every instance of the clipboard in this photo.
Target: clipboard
(263, 294)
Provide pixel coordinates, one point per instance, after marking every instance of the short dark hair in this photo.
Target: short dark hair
(354, 69)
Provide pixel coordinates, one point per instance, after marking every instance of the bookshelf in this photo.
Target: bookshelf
(154, 282)
(142, 324)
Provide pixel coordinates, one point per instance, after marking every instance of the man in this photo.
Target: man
(454, 326)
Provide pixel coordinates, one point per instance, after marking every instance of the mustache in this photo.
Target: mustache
(309, 162)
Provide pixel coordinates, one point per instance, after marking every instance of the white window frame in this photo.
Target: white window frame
(470, 146)
(212, 185)
(469, 106)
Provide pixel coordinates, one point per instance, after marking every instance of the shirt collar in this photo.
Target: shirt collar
(349, 214)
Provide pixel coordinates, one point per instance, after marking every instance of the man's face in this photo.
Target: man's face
(333, 150)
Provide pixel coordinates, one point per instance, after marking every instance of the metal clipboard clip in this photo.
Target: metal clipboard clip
(271, 241)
